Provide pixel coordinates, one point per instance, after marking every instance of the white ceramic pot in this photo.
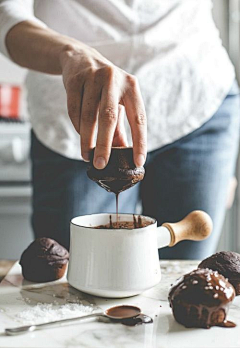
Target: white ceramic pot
(124, 262)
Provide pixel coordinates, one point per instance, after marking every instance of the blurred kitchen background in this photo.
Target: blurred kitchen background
(15, 181)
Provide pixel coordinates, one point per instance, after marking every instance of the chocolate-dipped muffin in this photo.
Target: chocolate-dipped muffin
(228, 264)
(201, 299)
(44, 260)
(120, 172)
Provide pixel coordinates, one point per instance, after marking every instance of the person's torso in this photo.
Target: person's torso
(172, 46)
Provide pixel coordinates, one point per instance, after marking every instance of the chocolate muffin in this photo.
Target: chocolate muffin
(201, 299)
(228, 264)
(120, 172)
(44, 260)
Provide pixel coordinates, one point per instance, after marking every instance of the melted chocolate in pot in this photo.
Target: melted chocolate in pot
(136, 223)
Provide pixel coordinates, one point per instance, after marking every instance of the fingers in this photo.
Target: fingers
(89, 110)
(120, 136)
(103, 90)
(107, 122)
(74, 105)
(137, 119)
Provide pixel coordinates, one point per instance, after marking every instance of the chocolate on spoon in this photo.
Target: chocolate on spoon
(122, 313)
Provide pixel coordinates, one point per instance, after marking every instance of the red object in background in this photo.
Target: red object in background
(9, 101)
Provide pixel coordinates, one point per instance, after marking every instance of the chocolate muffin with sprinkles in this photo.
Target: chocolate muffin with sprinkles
(201, 298)
(228, 264)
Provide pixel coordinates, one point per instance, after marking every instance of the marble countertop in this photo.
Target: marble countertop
(19, 299)
(5, 266)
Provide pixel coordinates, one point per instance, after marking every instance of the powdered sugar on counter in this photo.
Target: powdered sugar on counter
(45, 312)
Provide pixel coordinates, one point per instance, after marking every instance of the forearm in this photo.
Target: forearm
(95, 87)
(37, 48)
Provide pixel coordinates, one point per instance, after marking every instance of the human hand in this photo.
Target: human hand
(96, 91)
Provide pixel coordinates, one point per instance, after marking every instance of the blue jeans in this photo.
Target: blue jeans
(191, 173)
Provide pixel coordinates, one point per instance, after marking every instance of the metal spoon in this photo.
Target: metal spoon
(117, 312)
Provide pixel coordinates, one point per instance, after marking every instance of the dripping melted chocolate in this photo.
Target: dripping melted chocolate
(120, 173)
(110, 221)
(117, 195)
(138, 320)
(138, 223)
(201, 299)
(227, 323)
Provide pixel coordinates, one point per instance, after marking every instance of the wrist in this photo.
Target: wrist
(72, 49)
(67, 51)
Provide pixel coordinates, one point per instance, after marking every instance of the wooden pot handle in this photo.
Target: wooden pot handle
(195, 226)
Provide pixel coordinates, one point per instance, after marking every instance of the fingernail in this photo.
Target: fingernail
(85, 156)
(140, 160)
(100, 163)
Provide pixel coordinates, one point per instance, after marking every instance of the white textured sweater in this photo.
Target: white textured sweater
(172, 46)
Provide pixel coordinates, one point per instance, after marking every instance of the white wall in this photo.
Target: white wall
(220, 15)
